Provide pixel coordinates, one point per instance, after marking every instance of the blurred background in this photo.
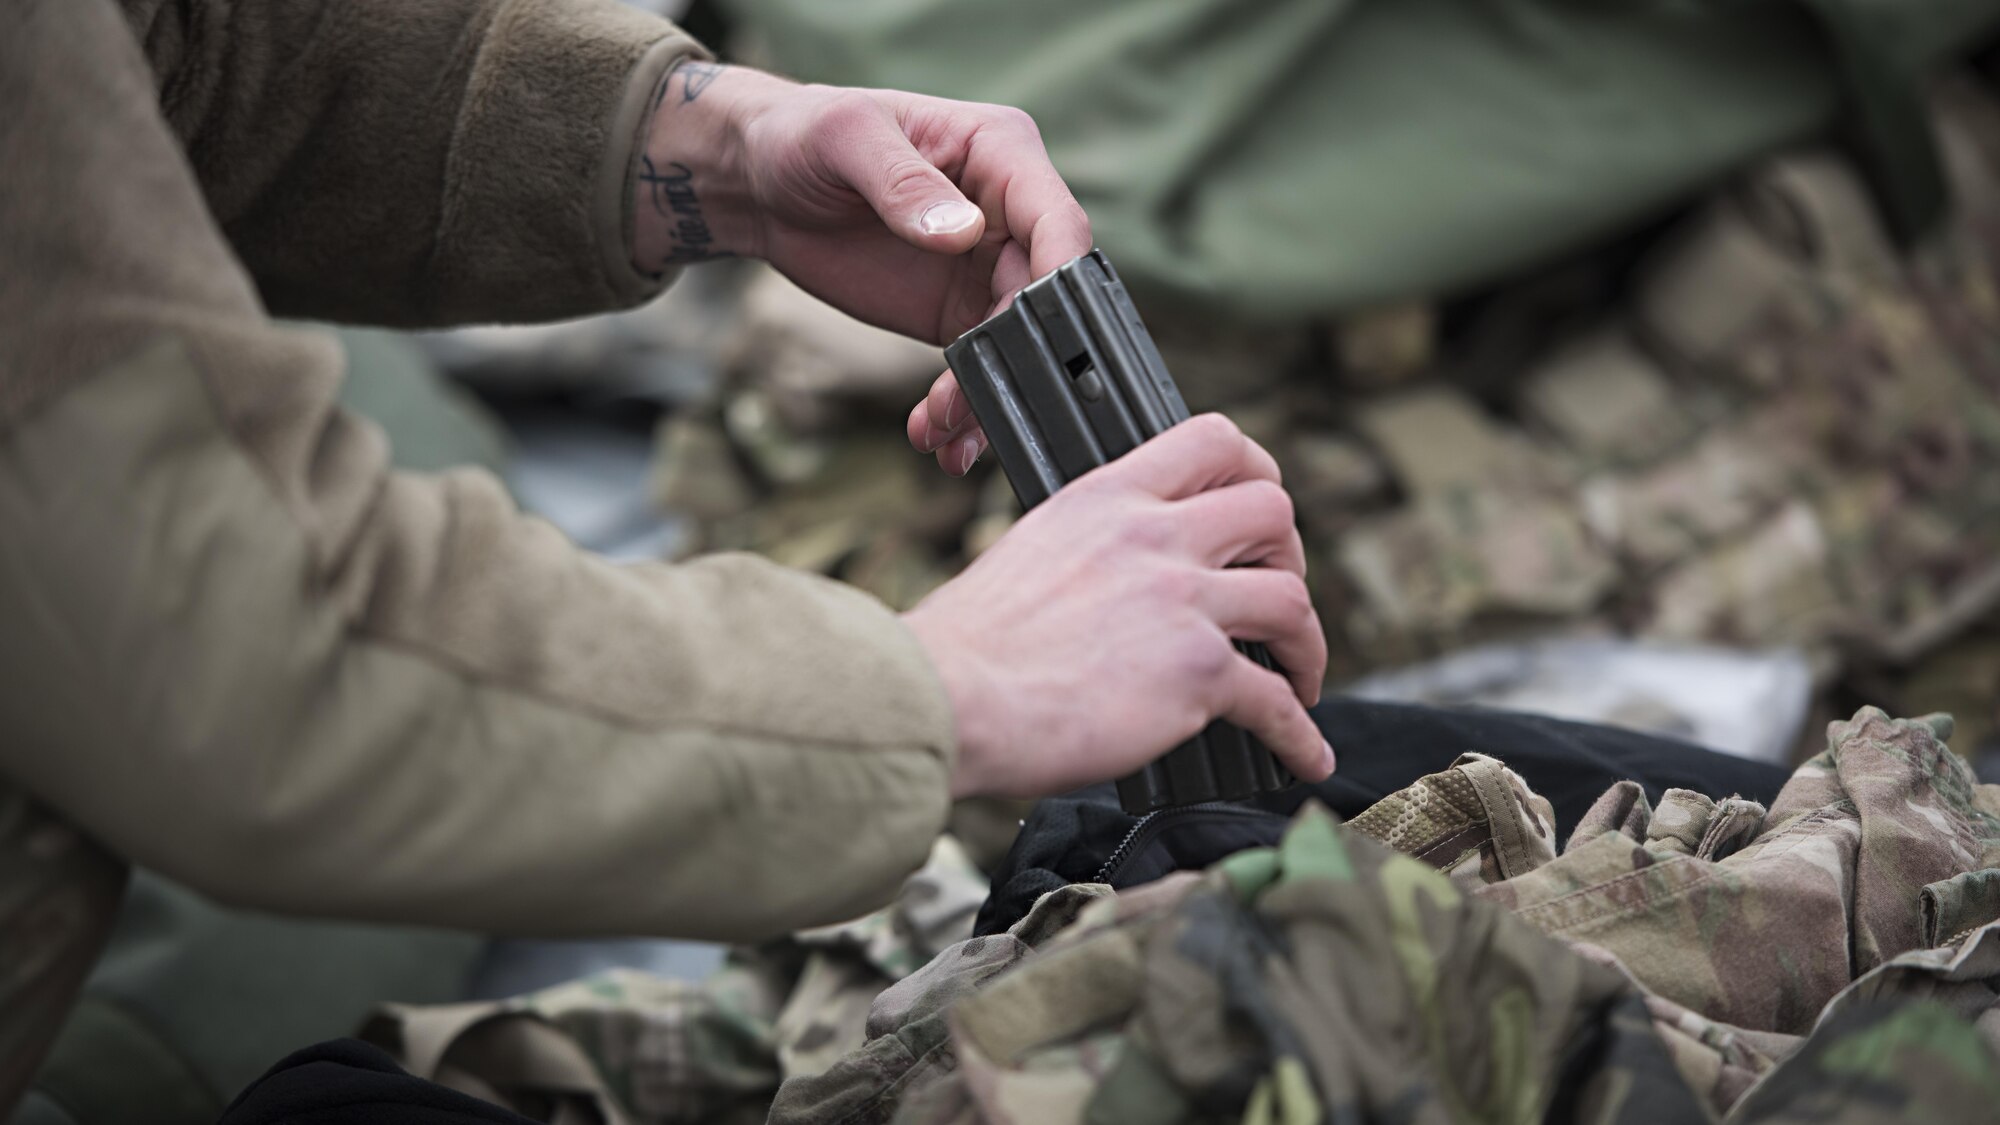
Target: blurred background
(1633, 362)
(1571, 324)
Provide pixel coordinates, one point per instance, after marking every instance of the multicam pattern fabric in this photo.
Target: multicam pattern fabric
(1326, 979)
(1788, 436)
(1881, 854)
(1477, 822)
(1868, 877)
(1835, 957)
(1881, 1062)
(630, 1047)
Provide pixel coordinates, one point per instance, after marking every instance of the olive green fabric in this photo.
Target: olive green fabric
(191, 1002)
(394, 163)
(432, 423)
(108, 1066)
(1292, 158)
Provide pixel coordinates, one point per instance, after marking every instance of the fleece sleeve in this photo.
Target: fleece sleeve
(241, 650)
(416, 162)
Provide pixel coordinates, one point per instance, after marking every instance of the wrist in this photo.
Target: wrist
(692, 200)
(969, 691)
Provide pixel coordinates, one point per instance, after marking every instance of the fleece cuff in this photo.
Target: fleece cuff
(542, 154)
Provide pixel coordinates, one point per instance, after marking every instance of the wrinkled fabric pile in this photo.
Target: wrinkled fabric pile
(626, 1046)
(1834, 957)
(1836, 954)
(1296, 157)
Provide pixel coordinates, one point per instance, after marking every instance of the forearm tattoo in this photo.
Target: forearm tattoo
(695, 79)
(670, 185)
(673, 196)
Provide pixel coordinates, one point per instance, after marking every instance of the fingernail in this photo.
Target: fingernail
(1331, 761)
(948, 217)
(971, 454)
(931, 436)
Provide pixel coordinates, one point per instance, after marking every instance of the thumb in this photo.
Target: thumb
(915, 200)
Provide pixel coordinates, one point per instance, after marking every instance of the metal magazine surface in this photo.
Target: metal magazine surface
(1063, 380)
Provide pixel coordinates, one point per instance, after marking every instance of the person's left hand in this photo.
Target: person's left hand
(917, 214)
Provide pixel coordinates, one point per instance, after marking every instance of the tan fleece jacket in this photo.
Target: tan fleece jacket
(236, 647)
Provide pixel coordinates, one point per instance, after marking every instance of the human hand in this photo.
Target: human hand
(942, 424)
(1095, 635)
(917, 214)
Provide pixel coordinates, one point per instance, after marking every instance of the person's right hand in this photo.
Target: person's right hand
(1095, 635)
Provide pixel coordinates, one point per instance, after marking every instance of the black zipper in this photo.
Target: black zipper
(1153, 823)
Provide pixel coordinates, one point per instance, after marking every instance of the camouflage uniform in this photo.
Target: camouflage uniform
(1326, 978)
(1836, 956)
(1438, 958)
(1872, 876)
(627, 1046)
(1789, 435)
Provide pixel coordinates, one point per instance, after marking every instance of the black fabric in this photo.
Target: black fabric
(347, 1082)
(1383, 747)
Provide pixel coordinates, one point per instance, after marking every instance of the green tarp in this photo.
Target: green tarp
(1280, 159)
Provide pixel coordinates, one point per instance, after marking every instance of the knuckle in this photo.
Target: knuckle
(1098, 485)
(1272, 692)
(1279, 707)
(1205, 663)
(1292, 598)
(908, 176)
(847, 113)
(1214, 431)
(1148, 529)
(1269, 503)
(1018, 119)
(942, 394)
(1216, 425)
(1260, 703)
